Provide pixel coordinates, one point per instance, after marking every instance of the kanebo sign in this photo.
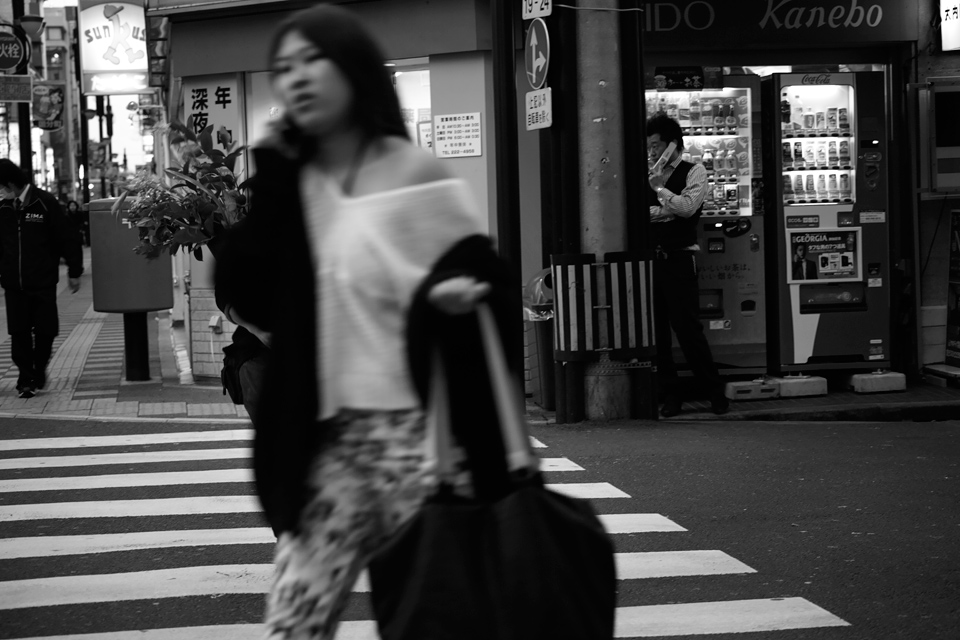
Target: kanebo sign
(113, 47)
(771, 21)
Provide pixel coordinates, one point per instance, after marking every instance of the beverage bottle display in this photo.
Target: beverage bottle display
(821, 120)
(787, 187)
(708, 160)
(843, 120)
(785, 110)
(720, 164)
(695, 110)
(797, 117)
(811, 191)
(844, 153)
(798, 153)
(706, 113)
(662, 105)
(672, 111)
(731, 117)
(832, 155)
(685, 157)
(844, 185)
(832, 118)
(822, 186)
(809, 119)
(832, 185)
(798, 186)
(821, 154)
(787, 154)
(808, 154)
(732, 165)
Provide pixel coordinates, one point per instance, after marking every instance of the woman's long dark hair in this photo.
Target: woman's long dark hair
(343, 38)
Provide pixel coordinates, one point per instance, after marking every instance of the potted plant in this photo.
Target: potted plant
(199, 198)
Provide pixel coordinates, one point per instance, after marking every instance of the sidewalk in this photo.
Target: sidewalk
(87, 379)
(86, 372)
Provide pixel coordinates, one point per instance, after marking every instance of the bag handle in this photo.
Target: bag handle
(512, 427)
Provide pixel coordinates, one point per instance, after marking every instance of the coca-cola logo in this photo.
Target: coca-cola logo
(822, 78)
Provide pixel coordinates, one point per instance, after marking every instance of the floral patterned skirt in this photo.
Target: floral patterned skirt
(368, 479)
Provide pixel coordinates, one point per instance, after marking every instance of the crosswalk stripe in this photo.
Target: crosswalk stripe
(348, 630)
(184, 455)
(256, 578)
(89, 442)
(589, 490)
(44, 546)
(130, 508)
(638, 523)
(735, 616)
(647, 621)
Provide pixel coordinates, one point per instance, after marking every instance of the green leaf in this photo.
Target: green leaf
(198, 254)
(206, 139)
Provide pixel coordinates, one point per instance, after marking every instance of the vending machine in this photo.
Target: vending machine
(832, 271)
(721, 130)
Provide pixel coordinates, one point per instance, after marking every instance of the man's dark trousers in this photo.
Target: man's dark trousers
(676, 304)
(32, 323)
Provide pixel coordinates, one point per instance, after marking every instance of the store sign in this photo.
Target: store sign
(950, 25)
(48, 106)
(113, 47)
(13, 50)
(702, 24)
(214, 101)
(16, 89)
(457, 135)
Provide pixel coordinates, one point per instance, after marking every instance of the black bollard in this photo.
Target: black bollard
(136, 346)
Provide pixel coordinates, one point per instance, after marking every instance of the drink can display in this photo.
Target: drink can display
(821, 120)
(832, 152)
(821, 183)
(844, 185)
(843, 121)
(832, 118)
(844, 153)
(832, 182)
(733, 194)
(787, 185)
(821, 154)
(808, 154)
(731, 115)
(798, 152)
(787, 154)
(798, 184)
(809, 183)
(706, 113)
(809, 119)
(732, 163)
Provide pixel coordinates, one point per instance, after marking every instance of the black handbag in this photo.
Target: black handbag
(233, 359)
(532, 565)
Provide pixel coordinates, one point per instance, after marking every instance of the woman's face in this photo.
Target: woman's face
(315, 92)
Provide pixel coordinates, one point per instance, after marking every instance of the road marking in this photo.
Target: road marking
(89, 442)
(662, 620)
(735, 616)
(638, 523)
(256, 578)
(588, 490)
(44, 546)
(185, 455)
(130, 508)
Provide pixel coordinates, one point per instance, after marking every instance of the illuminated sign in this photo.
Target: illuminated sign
(113, 47)
(13, 51)
(950, 25)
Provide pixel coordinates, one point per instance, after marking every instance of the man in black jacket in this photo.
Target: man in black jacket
(678, 193)
(34, 234)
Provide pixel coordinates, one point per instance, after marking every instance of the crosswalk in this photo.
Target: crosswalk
(156, 535)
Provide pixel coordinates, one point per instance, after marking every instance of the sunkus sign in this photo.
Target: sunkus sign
(113, 47)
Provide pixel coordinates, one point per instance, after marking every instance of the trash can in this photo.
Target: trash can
(538, 309)
(127, 282)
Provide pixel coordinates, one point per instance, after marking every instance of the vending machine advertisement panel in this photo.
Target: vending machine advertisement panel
(721, 130)
(833, 272)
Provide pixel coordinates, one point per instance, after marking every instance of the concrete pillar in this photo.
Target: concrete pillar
(602, 194)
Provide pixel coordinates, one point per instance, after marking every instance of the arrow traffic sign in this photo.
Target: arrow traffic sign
(536, 53)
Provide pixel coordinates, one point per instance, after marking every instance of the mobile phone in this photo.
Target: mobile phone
(658, 167)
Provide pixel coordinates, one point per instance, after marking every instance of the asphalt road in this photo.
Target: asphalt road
(862, 519)
(848, 529)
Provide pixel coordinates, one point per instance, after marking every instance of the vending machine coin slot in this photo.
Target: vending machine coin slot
(846, 219)
(711, 303)
(716, 245)
(837, 297)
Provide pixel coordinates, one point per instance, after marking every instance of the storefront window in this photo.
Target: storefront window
(411, 78)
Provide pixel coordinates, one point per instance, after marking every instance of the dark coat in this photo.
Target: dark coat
(264, 269)
(32, 241)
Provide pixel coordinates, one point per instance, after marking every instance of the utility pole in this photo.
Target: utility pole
(603, 215)
(23, 108)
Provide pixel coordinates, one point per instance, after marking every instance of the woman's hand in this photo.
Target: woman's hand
(457, 296)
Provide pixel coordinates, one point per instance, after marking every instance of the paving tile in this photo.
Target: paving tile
(163, 408)
(211, 409)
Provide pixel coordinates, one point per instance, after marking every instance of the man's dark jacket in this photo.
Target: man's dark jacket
(32, 240)
(264, 270)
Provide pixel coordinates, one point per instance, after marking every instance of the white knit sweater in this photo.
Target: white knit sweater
(370, 253)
